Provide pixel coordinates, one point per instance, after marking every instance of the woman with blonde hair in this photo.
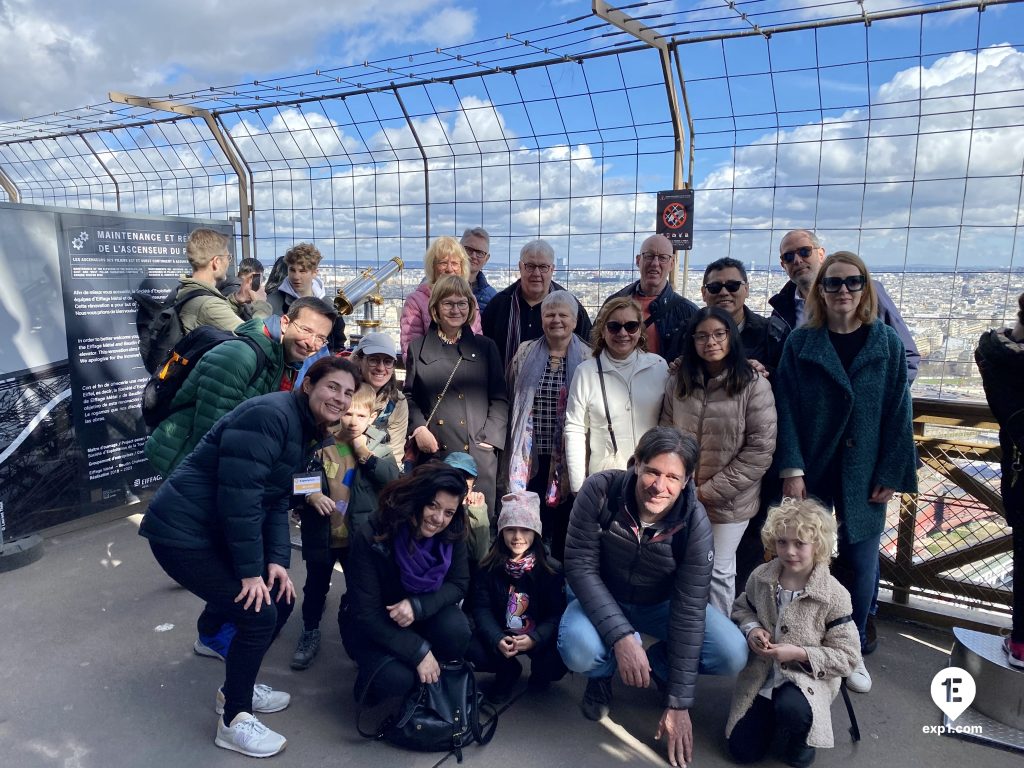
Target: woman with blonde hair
(445, 256)
(844, 422)
(615, 396)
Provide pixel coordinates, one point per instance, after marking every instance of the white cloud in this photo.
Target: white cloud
(76, 52)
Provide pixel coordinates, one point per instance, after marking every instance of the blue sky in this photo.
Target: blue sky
(785, 140)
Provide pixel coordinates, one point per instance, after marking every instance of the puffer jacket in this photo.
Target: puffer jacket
(231, 494)
(820, 622)
(736, 435)
(1001, 362)
(219, 382)
(379, 585)
(622, 565)
(634, 405)
(415, 319)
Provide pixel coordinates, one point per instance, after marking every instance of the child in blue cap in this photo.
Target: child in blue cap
(476, 507)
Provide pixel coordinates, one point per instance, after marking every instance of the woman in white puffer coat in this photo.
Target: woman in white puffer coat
(604, 423)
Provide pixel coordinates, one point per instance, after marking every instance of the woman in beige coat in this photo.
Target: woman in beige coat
(718, 398)
(801, 635)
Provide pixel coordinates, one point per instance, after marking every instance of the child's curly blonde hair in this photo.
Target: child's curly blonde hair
(811, 522)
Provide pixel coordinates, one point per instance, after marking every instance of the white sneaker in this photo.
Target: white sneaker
(249, 736)
(264, 700)
(859, 680)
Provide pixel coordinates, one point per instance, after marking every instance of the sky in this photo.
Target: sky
(929, 176)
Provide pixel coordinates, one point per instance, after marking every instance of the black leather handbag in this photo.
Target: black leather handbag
(436, 717)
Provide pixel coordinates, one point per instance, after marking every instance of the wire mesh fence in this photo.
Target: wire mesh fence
(892, 129)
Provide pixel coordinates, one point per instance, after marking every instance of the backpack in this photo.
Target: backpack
(679, 533)
(159, 324)
(180, 361)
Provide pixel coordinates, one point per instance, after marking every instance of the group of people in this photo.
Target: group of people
(539, 487)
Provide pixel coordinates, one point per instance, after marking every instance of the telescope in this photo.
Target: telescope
(365, 291)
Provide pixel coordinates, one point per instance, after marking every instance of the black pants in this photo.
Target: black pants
(554, 520)
(787, 714)
(1017, 633)
(448, 633)
(318, 584)
(546, 664)
(210, 577)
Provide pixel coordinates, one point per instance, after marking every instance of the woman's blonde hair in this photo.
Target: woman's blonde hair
(446, 287)
(444, 247)
(867, 309)
(810, 521)
(611, 306)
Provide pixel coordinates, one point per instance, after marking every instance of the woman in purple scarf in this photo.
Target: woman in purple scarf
(403, 618)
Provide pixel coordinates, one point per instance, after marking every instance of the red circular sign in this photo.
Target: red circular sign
(674, 215)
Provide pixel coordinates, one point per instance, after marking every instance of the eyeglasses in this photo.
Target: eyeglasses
(455, 306)
(661, 258)
(474, 253)
(703, 338)
(730, 285)
(310, 333)
(614, 327)
(541, 269)
(853, 283)
(804, 253)
(380, 361)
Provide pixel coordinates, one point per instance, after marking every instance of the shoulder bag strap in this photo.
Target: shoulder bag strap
(444, 391)
(361, 704)
(607, 413)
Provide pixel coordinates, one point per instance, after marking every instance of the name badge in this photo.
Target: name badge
(303, 485)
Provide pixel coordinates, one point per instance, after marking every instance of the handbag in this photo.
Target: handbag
(436, 717)
(412, 452)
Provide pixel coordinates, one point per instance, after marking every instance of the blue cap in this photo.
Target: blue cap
(462, 461)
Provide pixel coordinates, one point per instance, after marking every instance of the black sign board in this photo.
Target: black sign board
(675, 217)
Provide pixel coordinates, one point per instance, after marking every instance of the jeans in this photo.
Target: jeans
(724, 651)
(211, 577)
(857, 569)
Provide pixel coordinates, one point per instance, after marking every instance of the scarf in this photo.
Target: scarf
(516, 568)
(422, 563)
(512, 342)
(524, 382)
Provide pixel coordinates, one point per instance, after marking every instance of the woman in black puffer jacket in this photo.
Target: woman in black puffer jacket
(219, 527)
(1000, 357)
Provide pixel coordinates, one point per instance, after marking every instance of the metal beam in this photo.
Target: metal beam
(9, 187)
(426, 167)
(95, 154)
(213, 126)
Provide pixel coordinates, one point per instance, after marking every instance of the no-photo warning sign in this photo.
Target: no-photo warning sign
(675, 217)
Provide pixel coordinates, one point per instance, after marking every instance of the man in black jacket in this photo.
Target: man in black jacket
(725, 286)
(513, 315)
(638, 558)
(666, 313)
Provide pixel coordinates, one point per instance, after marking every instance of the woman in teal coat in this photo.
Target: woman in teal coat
(844, 416)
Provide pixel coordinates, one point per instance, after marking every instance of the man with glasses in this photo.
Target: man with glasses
(477, 244)
(209, 258)
(725, 286)
(665, 313)
(801, 255)
(303, 280)
(513, 315)
(638, 559)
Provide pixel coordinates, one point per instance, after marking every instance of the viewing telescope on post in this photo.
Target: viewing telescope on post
(365, 291)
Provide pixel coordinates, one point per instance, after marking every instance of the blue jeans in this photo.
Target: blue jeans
(857, 569)
(724, 651)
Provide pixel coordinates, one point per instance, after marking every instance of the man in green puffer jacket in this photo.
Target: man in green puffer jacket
(221, 379)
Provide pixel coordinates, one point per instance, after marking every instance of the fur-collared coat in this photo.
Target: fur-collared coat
(820, 622)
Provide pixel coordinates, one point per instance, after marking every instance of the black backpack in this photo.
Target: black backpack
(159, 324)
(182, 359)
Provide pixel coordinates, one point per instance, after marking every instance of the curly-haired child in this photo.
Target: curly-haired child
(798, 624)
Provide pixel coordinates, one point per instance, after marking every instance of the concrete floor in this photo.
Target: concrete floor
(97, 671)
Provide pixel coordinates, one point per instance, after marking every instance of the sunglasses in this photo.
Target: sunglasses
(853, 283)
(730, 285)
(803, 253)
(614, 327)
